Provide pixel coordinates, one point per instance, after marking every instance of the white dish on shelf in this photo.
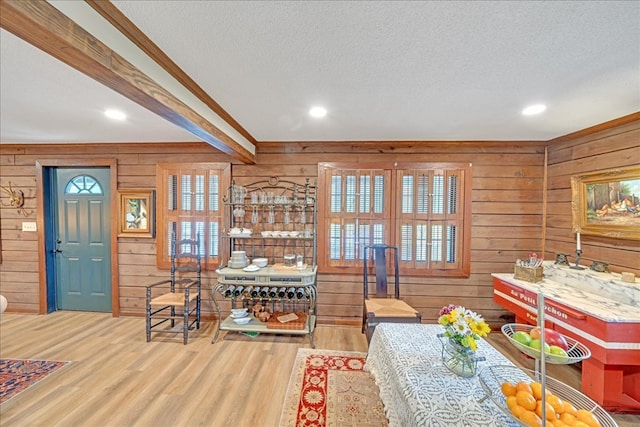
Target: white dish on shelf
(251, 267)
(266, 233)
(294, 233)
(239, 310)
(242, 320)
(575, 351)
(284, 234)
(275, 233)
(237, 264)
(236, 316)
(260, 262)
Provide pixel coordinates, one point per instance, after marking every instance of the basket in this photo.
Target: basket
(492, 377)
(294, 325)
(576, 351)
(528, 274)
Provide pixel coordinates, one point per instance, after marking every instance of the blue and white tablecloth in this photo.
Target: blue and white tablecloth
(418, 390)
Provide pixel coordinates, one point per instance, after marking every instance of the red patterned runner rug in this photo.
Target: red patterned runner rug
(17, 375)
(330, 388)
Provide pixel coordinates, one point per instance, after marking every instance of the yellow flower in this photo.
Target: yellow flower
(463, 326)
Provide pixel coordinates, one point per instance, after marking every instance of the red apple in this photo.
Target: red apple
(551, 337)
(555, 338)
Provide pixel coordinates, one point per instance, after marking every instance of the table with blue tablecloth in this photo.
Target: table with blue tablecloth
(418, 390)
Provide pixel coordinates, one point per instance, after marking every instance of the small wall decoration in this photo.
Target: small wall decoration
(16, 199)
(137, 217)
(607, 203)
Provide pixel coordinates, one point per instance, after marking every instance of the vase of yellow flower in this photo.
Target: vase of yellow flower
(462, 330)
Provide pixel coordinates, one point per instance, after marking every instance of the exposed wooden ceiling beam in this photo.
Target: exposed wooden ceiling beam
(140, 39)
(45, 27)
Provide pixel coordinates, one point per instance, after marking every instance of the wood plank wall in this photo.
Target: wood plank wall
(136, 256)
(585, 152)
(507, 215)
(507, 212)
(507, 220)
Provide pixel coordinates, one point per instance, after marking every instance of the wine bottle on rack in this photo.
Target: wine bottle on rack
(282, 292)
(238, 291)
(273, 292)
(300, 293)
(264, 291)
(255, 292)
(247, 291)
(229, 291)
(291, 292)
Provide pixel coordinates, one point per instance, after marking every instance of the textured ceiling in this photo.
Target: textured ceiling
(385, 70)
(44, 100)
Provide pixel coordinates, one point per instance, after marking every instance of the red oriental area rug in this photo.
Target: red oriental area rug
(16, 375)
(330, 388)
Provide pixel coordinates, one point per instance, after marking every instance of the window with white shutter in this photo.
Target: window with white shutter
(422, 208)
(189, 204)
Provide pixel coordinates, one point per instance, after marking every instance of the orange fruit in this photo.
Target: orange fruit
(569, 408)
(568, 418)
(511, 402)
(536, 390)
(526, 400)
(550, 412)
(587, 418)
(530, 419)
(556, 402)
(508, 389)
(517, 410)
(557, 423)
(578, 423)
(522, 386)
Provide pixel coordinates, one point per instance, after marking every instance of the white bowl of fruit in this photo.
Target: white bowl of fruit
(518, 393)
(558, 348)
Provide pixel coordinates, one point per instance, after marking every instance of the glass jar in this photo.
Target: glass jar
(289, 260)
(458, 359)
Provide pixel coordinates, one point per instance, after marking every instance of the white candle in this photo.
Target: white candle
(578, 241)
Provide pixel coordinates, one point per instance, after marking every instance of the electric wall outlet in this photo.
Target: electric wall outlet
(29, 226)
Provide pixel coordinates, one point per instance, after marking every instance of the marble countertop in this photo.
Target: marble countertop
(601, 295)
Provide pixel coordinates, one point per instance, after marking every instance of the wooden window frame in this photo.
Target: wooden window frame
(165, 217)
(393, 216)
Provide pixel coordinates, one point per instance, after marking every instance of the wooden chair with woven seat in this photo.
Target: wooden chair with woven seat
(383, 308)
(177, 300)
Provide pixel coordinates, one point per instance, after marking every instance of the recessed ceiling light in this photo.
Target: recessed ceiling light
(534, 109)
(115, 114)
(318, 112)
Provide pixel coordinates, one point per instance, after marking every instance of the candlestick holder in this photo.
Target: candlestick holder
(577, 265)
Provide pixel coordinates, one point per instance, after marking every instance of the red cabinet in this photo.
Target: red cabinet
(611, 376)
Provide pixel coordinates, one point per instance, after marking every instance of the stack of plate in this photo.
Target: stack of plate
(240, 315)
(238, 259)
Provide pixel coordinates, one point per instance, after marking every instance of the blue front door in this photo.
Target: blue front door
(83, 229)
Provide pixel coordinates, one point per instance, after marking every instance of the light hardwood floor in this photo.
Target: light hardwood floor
(118, 379)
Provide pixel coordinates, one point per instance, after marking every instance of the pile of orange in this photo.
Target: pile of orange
(524, 400)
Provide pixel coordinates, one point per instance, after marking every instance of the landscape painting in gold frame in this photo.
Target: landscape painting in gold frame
(607, 203)
(137, 213)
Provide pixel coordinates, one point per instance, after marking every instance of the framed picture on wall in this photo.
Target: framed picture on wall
(607, 203)
(137, 208)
